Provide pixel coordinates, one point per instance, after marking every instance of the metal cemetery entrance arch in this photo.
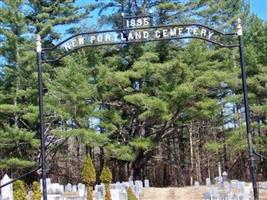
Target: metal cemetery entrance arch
(138, 29)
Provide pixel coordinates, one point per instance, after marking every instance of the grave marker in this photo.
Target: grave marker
(7, 191)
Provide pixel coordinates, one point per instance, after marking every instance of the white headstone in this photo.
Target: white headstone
(146, 183)
(81, 189)
(234, 183)
(123, 195)
(115, 194)
(196, 185)
(264, 185)
(208, 183)
(48, 181)
(68, 188)
(7, 191)
(74, 188)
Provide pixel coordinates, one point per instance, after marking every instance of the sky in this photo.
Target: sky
(259, 7)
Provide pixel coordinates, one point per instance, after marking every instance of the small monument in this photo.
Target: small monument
(7, 191)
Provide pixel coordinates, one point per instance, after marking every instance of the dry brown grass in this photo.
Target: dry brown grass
(180, 193)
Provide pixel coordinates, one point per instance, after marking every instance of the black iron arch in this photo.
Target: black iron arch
(121, 36)
(185, 31)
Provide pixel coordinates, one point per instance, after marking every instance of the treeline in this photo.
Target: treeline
(165, 111)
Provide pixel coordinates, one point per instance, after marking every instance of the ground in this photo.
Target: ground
(181, 193)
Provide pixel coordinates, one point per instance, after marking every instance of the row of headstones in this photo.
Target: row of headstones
(224, 190)
(57, 191)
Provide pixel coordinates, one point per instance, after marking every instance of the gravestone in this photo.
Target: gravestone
(81, 189)
(224, 176)
(208, 183)
(68, 188)
(118, 186)
(74, 188)
(234, 183)
(101, 189)
(227, 186)
(196, 185)
(123, 195)
(241, 185)
(98, 196)
(115, 194)
(7, 191)
(112, 186)
(146, 183)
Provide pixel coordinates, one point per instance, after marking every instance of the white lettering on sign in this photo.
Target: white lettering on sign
(137, 35)
(137, 22)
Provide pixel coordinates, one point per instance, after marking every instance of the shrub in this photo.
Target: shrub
(106, 178)
(88, 176)
(106, 175)
(20, 192)
(131, 195)
(37, 194)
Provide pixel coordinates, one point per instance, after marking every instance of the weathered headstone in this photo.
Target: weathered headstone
(7, 191)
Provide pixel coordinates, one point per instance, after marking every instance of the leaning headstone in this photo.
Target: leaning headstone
(146, 183)
(7, 191)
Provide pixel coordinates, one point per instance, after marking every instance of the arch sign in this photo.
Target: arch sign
(136, 29)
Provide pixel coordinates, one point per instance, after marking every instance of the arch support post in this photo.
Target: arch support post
(41, 114)
(253, 166)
